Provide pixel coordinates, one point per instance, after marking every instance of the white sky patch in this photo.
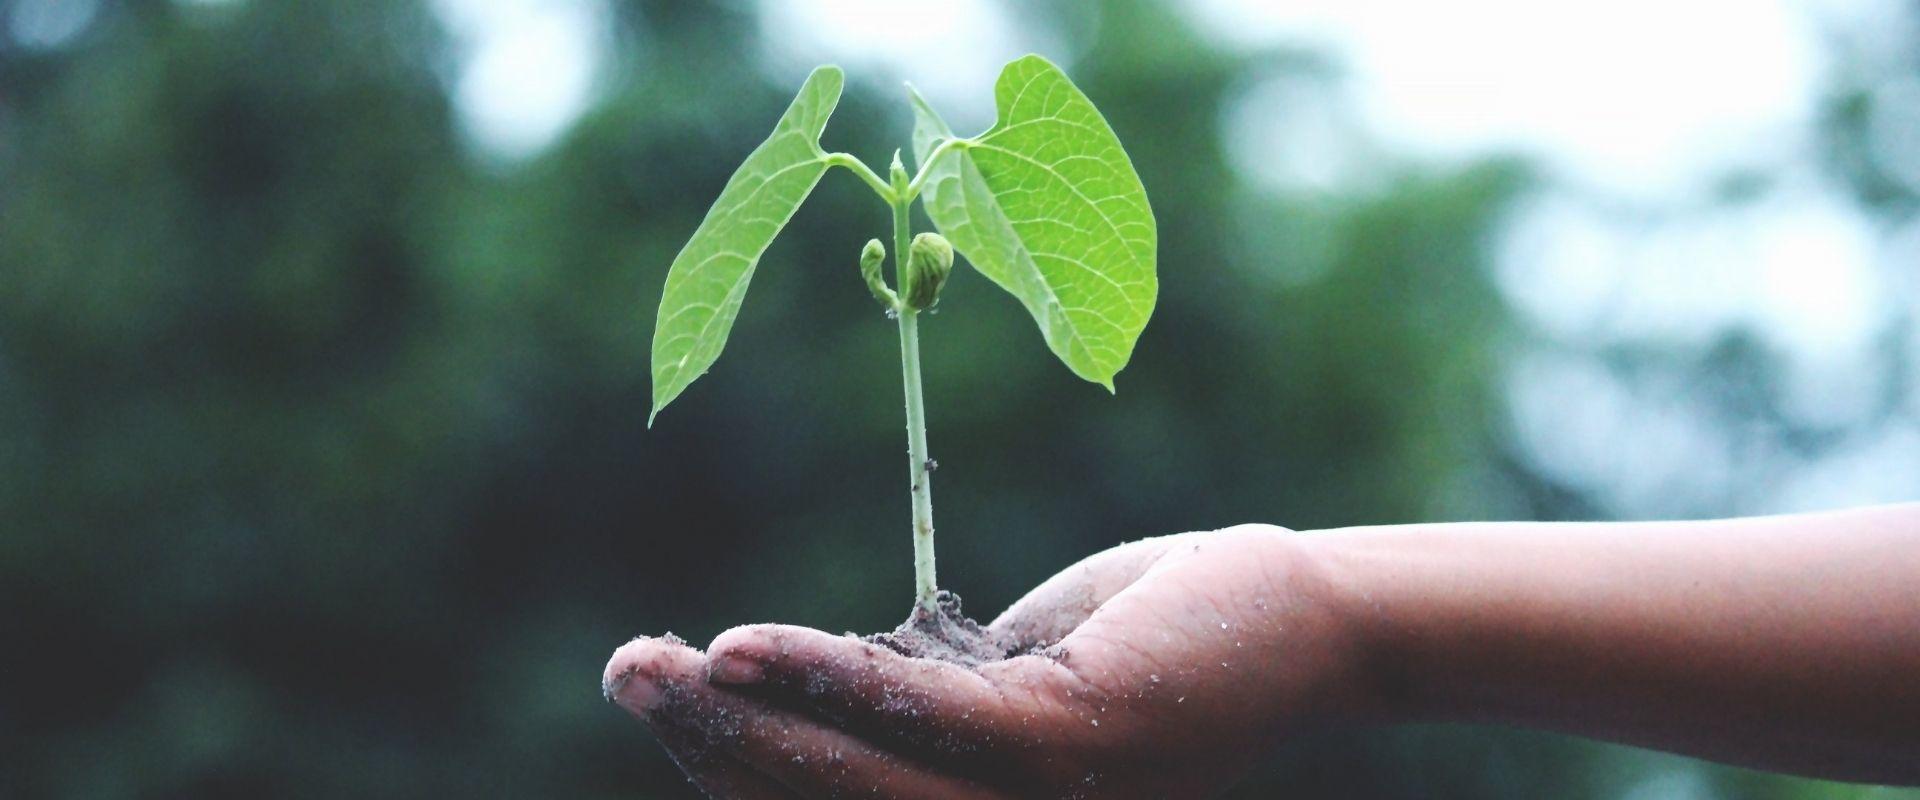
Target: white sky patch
(1802, 271)
(1819, 291)
(1297, 132)
(1646, 452)
(528, 68)
(1880, 467)
(1836, 393)
(48, 24)
(1635, 97)
(950, 51)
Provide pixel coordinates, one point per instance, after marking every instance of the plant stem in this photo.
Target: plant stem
(922, 483)
(926, 167)
(858, 167)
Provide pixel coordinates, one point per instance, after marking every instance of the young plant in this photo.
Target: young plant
(1045, 204)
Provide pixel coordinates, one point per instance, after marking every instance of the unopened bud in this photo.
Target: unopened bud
(929, 262)
(871, 257)
(897, 172)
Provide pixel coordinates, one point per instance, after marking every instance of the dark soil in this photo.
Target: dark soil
(944, 635)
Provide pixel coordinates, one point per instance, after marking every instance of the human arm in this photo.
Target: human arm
(1787, 643)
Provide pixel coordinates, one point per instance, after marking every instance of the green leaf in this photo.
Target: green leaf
(709, 277)
(1047, 205)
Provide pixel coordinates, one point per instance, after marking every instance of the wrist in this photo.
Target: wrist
(1363, 583)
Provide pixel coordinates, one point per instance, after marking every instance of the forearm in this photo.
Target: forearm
(1785, 643)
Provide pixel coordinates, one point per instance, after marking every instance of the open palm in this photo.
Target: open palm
(1157, 668)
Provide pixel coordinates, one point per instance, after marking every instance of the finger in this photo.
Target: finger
(809, 759)
(716, 773)
(1056, 607)
(934, 708)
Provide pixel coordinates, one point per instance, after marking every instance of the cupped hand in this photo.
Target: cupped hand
(1160, 668)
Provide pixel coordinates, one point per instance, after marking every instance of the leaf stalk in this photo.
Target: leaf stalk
(866, 173)
(920, 477)
(926, 167)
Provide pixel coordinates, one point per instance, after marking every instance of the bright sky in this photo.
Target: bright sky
(1639, 96)
(45, 24)
(528, 68)
(1635, 108)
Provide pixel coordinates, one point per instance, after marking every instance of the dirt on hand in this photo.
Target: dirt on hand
(945, 634)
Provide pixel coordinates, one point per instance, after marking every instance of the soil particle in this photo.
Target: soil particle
(945, 634)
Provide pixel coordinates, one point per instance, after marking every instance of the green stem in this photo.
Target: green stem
(922, 483)
(926, 167)
(858, 167)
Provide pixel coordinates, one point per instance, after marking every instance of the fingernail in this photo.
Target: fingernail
(734, 669)
(636, 694)
(622, 681)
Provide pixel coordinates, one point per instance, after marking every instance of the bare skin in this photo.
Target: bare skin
(1787, 643)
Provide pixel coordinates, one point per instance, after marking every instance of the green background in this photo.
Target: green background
(323, 460)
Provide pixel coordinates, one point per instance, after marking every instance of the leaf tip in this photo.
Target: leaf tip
(914, 97)
(1035, 58)
(829, 75)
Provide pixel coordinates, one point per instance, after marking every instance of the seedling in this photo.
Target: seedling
(1045, 204)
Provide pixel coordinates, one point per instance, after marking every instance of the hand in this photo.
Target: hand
(1159, 668)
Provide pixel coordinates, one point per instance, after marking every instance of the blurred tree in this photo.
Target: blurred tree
(322, 446)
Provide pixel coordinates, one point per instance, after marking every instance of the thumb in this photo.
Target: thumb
(1060, 604)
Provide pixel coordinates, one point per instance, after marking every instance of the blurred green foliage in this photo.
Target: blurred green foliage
(322, 452)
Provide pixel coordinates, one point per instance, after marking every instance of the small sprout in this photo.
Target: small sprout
(897, 171)
(871, 257)
(929, 262)
(1050, 161)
